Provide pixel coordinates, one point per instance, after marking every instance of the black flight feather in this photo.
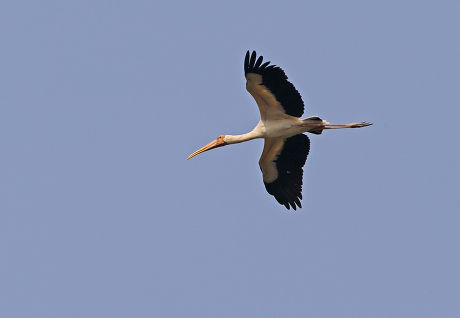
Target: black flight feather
(287, 188)
(276, 81)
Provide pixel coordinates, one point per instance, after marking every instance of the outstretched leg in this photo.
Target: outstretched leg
(316, 127)
(352, 125)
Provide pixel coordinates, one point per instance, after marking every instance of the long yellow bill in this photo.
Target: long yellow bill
(213, 144)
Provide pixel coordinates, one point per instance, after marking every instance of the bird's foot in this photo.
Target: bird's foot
(359, 125)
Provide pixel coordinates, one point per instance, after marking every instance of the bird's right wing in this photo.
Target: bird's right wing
(269, 86)
(281, 163)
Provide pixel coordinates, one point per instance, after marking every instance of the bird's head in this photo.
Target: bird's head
(218, 142)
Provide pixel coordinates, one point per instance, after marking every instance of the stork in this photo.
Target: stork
(285, 146)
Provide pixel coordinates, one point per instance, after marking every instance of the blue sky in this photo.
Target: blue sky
(101, 215)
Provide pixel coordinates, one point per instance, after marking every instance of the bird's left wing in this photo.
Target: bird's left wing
(269, 86)
(281, 164)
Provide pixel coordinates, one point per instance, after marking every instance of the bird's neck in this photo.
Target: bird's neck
(234, 139)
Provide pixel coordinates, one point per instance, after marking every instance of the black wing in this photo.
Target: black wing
(276, 81)
(288, 159)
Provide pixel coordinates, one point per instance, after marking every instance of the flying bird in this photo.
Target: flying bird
(285, 146)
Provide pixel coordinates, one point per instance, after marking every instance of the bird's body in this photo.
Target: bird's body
(286, 147)
(283, 127)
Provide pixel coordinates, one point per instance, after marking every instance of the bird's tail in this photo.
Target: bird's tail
(315, 120)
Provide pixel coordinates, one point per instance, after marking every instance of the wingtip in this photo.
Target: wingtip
(246, 62)
(299, 204)
(259, 61)
(253, 58)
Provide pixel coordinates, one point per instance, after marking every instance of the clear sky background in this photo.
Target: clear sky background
(101, 215)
